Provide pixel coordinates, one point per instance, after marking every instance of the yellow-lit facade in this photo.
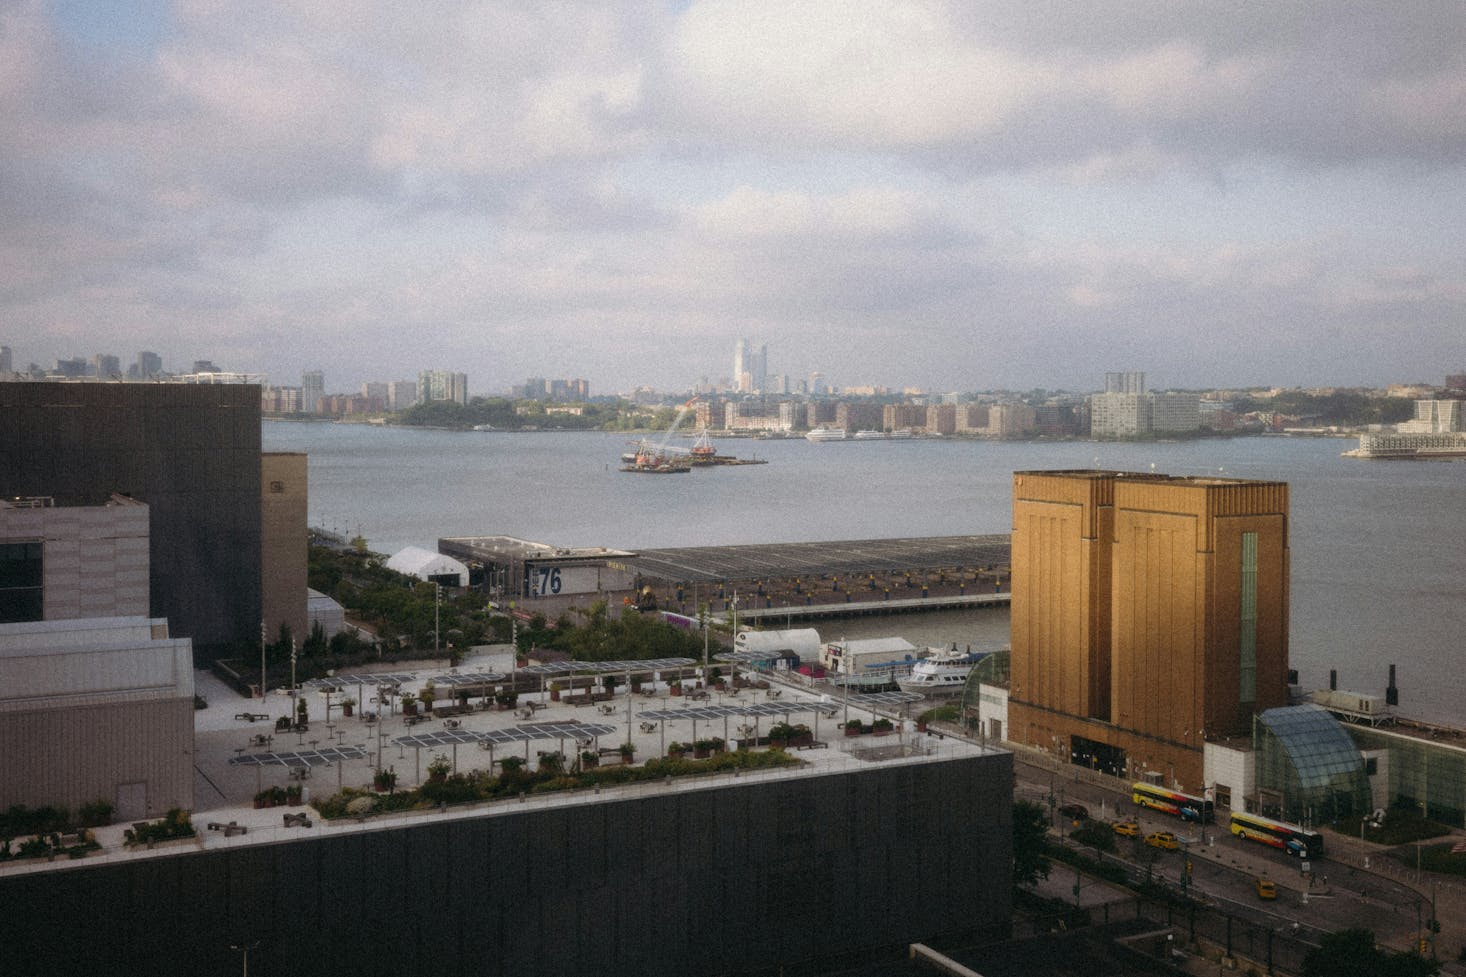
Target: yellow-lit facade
(1149, 613)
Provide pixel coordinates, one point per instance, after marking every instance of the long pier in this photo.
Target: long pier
(854, 608)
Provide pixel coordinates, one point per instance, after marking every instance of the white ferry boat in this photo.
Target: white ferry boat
(826, 434)
(869, 435)
(944, 673)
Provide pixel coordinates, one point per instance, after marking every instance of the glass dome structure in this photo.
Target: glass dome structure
(1309, 770)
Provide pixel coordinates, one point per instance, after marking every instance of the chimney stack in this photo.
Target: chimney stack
(1392, 694)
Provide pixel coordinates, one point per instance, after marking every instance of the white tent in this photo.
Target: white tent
(427, 565)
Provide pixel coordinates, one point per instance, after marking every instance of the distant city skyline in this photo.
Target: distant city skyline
(888, 192)
(141, 365)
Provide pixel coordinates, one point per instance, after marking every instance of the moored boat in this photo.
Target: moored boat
(944, 673)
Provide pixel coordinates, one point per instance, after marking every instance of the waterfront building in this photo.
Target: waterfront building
(433, 385)
(972, 418)
(1119, 415)
(1150, 614)
(1434, 417)
(903, 417)
(859, 416)
(941, 419)
(1010, 420)
(280, 400)
(375, 390)
(312, 389)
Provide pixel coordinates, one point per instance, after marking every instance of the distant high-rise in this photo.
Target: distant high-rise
(72, 368)
(312, 389)
(1125, 383)
(442, 385)
(401, 394)
(379, 391)
(149, 365)
(105, 366)
(5, 361)
(750, 367)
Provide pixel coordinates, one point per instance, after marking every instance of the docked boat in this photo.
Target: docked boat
(869, 435)
(826, 434)
(942, 674)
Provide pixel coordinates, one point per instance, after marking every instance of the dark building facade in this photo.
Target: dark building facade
(191, 452)
(753, 877)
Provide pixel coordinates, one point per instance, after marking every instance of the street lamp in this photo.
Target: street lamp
(245, 948)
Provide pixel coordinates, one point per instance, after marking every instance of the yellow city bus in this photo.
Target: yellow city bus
(1296, 841)
(1184, 806)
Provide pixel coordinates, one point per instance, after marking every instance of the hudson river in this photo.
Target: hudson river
(1379, 548)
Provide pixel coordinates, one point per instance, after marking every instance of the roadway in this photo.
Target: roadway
(1342, 892)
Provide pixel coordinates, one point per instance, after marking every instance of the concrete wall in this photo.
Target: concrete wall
(711, 881)
(94, 558)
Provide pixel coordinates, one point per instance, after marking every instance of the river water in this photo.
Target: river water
(1379, 548)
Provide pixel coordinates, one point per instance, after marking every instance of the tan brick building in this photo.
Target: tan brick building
(1150, 613)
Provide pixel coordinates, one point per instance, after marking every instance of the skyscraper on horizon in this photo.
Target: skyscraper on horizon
(312, 389)
(750, 368)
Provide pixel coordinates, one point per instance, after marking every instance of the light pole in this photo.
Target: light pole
(245, 948)
(437, 602)
(264, 688)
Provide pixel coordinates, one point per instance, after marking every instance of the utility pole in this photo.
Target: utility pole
(264, 687)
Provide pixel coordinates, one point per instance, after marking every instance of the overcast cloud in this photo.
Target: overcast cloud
(955, 196)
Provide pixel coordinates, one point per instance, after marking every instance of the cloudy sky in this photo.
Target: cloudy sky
(955, 196)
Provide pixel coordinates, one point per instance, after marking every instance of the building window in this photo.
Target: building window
(1224, 796)
(1247, 672)
(20, 582)
(1371, 766)
(277, 487)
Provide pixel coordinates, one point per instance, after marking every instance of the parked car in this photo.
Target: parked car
(1075, 812)
(1128, 827)
(1266, 889)
(1162, 839)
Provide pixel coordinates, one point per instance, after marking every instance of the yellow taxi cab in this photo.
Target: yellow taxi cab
(1162, 839)
(1128, 827)
(1266, 889)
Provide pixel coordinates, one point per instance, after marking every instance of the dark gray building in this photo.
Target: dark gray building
(191, 452)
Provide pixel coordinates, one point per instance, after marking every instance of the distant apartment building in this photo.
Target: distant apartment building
(1055, 420)
(859, 416)
(941, 419)
(1010, 420)
(401, 394)
(105, 366)
(312, 389)
(751, 415)
(280, 400)
(149, 365)
(435, 385)
(820, 413)
(1125, 383)
(972, 418)
(1119, 415)
(377, 389)
(1175, 412)
(205, 366)
(340, 405)
(558, 390)
(1434, 417)
(903, 417)
(818, 385)
(72, 369)
(6, 363)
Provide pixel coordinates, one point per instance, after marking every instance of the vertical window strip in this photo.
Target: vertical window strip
(1247, 672)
